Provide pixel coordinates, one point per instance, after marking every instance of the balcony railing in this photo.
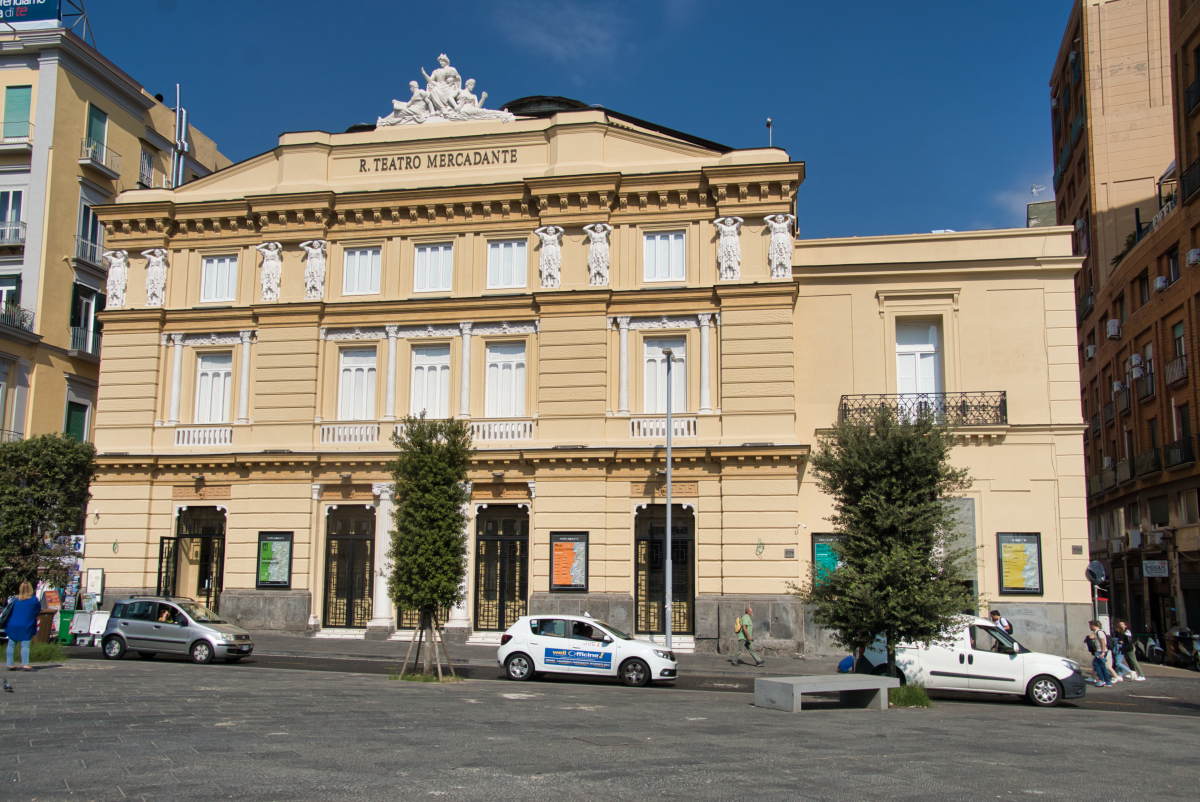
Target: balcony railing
(1178, 453)
(85, 340)
(1077, 127)
(1124, 471)
(1123, 401)
(87, 250)
(1086, 303)
(9, 436)
(520, 429)
(16, 133)
(1177, 371)
(1108, 478)
(1147, 462)
(1190, 182)
(955, 409)
(1145, 386)
(204, 436)
(1096, 424)
(1109, 413)
(1192, 95)
(100, 156)
(17, 317)
(1093, 485)
(655, 428)
(332, 433)
(12, 232)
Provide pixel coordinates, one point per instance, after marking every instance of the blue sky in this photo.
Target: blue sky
(910, 116)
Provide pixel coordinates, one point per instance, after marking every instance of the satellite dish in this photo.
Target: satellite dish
(1095, 572)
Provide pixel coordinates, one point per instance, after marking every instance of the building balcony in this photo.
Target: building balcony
(16, 137)
(1109, 413)
(1124, 471)
(1178, 453)
(1108, 478)
(213, 435)
(1086, 303)
(654, 427)
(1096, 425)
(338, 433)
(17, 317)
(1191, 97)
(1148, 462)
(1189, 183)
(954, 409)
(9, 436)
(1077, 127)
(504, 430)
(100, 158)
(1145, 386)
(12, 233)
(1093, 485)
(1176, 371)
(88, 251)
(84, 341)
(1123, 400)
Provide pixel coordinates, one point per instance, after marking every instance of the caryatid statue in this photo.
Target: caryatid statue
(550, 263)
(314, 269)
(272, 269)
(729, 250)
(779, 254)
(118, 277)
(598, 253)
(156, 276)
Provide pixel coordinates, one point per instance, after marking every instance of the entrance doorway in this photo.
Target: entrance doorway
(650, 528)
(192, 563)
(501, 566)
(349, 566)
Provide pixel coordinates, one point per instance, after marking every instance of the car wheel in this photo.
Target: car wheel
(1044, 691)
(114, 648)
(635, 673)
(519, 667)
(881, 671)
(147, 655)
(202, 652)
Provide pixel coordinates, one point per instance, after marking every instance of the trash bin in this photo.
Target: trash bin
(64, 626)
(45, 623)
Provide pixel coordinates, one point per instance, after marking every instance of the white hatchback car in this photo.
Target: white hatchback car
(570, 644)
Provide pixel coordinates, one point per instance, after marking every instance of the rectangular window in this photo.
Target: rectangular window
(1185, 422)
(1153, 425)
(146, 169)
(506, 263)
(89, 223)
(506, 380)
(10, 291)
(1177, 336)
(663, 256)
(918, 357)
(361, 275)
(97, 126)
(356, 399)
(1144, 288)
(655, 390)
(86, 303)
(17, 102)
(434, 268)
(431, 381)
(214, 376)
(76, 423)
(1160, 514)
(1133, 516)
(1173, 265)
(218, 278)
(10, 206)
(1189, 510)
(1121, 309)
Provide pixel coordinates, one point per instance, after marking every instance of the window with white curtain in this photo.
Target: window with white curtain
(361, 275)
(218, 278)
(356, 398)
(506, 380)
(214, 377)
(655, 390)
(663, 257)
(506, 263)
(431, 381)
(918, 357)
(434, 268)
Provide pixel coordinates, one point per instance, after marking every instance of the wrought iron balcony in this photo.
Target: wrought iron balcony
(1108, 478)
(1178, 453)
(1177, 371)
(1093, 485)
(85, 340)
(1145, 386)
(100, 157)
(17, 317)
(1147, 462)
(12, 232)
(1096, 424)
(1124, 471)
(1085, 305)
(16, 132)
(1123, 401)
(1192, 95)
(88, 251)
(9, 436)
(1189, 183)
(1109, 412)
(954, 409)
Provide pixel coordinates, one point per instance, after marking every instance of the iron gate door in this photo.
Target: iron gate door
(501, 567)
(349, 567)
(651, 571)
(192, 564)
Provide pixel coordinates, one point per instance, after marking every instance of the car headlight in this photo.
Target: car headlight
(1071, 664)
(665, 655)
(227, 638)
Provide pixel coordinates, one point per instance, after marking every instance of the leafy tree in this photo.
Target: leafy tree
(900, 574)
(429, 542)
(43, 496)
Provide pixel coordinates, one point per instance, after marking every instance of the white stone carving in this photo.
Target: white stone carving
(217, 338)
(314, 269)
(118, 277)
(779, 255)
(598, 254)
(355, 333)
(505, 327)
(657, 322)
(550, 262)
(156, 276)
(729, 250)
(415, 332)
(443, 99)
(272, 269)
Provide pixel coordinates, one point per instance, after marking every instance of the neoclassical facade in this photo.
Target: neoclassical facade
(529, 272)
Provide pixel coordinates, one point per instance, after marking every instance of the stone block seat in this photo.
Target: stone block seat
(854, 690)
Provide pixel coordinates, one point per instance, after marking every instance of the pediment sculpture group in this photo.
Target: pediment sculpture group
(445, 98)
(729, 260)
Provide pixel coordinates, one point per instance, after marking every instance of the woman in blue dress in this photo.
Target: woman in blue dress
(22, 625)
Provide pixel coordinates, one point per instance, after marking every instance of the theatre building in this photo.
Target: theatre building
(528, 270)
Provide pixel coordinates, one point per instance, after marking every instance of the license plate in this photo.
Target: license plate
(243, 648)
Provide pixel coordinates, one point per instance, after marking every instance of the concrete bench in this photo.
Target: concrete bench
(854, 690)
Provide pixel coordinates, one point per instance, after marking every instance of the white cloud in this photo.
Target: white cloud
(573, 33)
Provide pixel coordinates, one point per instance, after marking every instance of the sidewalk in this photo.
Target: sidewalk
(282, 645)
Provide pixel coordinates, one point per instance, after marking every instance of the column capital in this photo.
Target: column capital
(465, 327)
(385, 490)
(705, 318)
(393, 331)
(247, 335)
(177, 338)
(623, 321)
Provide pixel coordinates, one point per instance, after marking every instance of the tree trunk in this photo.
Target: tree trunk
(891, 655)
(427, 632)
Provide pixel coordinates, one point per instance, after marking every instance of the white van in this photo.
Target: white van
(979, 656)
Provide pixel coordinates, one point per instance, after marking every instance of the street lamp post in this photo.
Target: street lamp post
(669, 354)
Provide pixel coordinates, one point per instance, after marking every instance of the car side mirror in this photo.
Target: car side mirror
(608, 639)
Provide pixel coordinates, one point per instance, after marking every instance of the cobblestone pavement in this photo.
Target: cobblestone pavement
(170, 730)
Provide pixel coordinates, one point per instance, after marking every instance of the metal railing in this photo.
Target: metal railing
(87, 250)
(1077, 127)
(514, 429)
(1086, 302)
(17, 132)
(1163, 214)
(349, 433)
(1109, 412)
(1178, 453)
(656, 427)
(1189, 182)
(204, 436)
(1123, 401)
(1093, 485)
(985, 408)
(9, 436)
(1096, 423)
(86, 340)
(1124, 471)
(1191, 97)
(1145, 386)
(1176, 370)
(1147, 462)
(100, 155)
(12, 232)
(17, 317)
(1108, 478)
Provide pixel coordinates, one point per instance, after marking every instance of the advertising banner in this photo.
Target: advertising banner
(579, 658)
(569, 564)
(275, 559)
(28, 10)
(824, 559)
(1155, 569)
(1020, 562)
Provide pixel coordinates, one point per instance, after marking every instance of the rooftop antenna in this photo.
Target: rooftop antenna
(73, 9)
(770, 133)
(179, 152)
(1035, 189)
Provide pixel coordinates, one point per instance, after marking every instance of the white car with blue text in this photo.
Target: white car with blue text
(571, 644)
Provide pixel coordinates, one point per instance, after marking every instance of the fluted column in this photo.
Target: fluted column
(244, 380)
(623, 391)
(705, 359)
(464, 404)
(389, 408)
(383, 614)
(176, 379)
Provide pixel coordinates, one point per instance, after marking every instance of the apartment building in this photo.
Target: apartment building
(77, 131)
(528, 272)
(1136, 349)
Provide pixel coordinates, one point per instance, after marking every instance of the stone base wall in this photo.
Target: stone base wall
(612, 608)
(275, 610)
(778, 624)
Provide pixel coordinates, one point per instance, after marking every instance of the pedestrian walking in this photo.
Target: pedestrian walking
(1124, 650)
(744, 627)
(22, 625)
(1097, 644)
(1001, 622)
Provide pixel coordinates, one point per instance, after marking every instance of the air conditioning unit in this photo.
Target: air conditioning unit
(1054, 103)
(1138, 373)
(1153, 538)
(1090, 351)
(1161, 283)
(1193, 256)
(1135, 538)
(1118, 387)
(1108, 463)
(1135, 360)
(1071, 58)
(1116, 546)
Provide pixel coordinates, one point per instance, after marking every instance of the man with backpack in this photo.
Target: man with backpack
(1001, 622)
(1098, 645)
(744, 627)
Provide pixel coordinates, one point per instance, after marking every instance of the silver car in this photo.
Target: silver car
(150, 625)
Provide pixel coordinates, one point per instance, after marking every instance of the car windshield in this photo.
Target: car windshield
(616, 632)
(200, 613)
